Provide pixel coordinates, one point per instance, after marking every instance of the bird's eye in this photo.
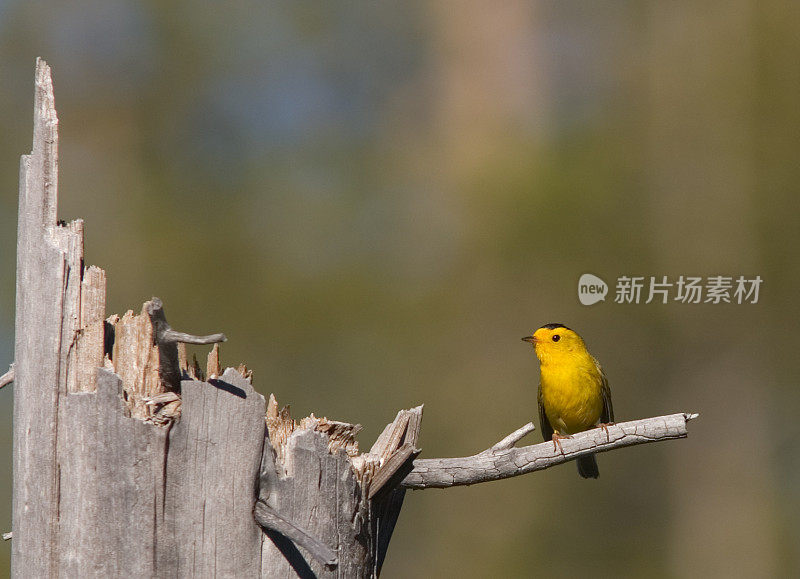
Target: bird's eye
(556, 338)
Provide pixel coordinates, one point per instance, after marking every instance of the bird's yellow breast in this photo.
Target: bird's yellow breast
(572, 395)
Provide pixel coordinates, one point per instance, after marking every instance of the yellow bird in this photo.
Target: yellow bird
(573, 392)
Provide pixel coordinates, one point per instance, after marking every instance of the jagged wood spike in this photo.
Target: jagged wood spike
(38, 354)
(212, 363)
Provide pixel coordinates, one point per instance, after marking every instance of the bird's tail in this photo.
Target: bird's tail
(587, 466)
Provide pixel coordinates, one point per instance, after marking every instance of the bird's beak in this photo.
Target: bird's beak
(530, 339)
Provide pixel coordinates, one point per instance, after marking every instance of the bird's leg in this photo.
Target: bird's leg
(557, 441)
(604, 426)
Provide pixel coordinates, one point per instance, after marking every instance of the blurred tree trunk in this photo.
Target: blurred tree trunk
(701, 152)
(491, 83)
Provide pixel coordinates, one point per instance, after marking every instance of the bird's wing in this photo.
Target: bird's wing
(608, 409)
(547, 429)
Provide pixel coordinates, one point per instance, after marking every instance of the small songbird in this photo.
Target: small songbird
(573, 392)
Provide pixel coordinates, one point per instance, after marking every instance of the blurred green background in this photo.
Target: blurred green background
(375, 201)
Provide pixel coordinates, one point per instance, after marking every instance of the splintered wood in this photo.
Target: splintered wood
(341, 435)
(192, 370)
(314, 466)
(136, 361)
(90, 345)
(402, 433)
(142, 349)
(212, 364)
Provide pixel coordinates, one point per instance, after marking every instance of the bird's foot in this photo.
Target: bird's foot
(557, 441)
(604, 426)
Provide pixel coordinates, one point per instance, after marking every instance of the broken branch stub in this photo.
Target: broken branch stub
(146, 356)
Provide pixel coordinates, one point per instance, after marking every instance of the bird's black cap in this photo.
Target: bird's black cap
(554, 326)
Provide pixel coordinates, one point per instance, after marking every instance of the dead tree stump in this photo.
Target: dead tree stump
(130, 460)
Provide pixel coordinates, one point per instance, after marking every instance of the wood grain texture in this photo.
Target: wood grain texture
(141, 500)
(136, 360)
(316, 494)
(90, 345)
(42, 275)
(313, 499)
(69, 238)
(112, 486)
(273, 522)
(213, 464)
(317, 491)
(398, 438)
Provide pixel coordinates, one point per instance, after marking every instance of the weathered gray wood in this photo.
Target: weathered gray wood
(271, 520)
(213, 464)
(318, 491)
(145, 501)
(90, 348)
(507, 462)
(112, 486)
(393, 470)
(97, 492)
(512, 439)
(146, 355)
(70, 239)
(397, 439)
(42, 275)
(308, 482)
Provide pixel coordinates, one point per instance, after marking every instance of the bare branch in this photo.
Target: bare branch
(501, 462)
(271, 520)
(8, 377)
(169, 335)
(166, 335)
(510, 440)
